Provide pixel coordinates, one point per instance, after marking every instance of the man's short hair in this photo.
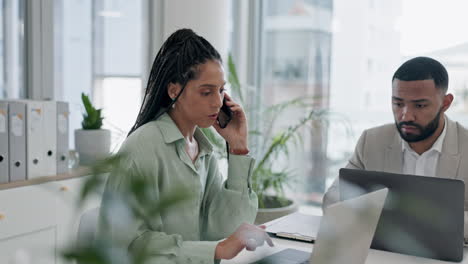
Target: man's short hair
(423, 68)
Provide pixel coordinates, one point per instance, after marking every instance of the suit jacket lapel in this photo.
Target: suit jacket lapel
(394, 156)
(449, 158)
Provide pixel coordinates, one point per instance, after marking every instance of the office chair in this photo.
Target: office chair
(88, 226)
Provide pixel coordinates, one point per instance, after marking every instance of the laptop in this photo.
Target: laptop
(423, 216)
(344, 236)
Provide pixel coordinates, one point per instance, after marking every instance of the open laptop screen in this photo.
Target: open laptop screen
(422, 216)
(345, 233)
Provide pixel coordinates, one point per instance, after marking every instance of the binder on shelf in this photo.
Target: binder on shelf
(49, 138)
(4, 160)
(41, 138)
(17, 137)
(34, 139)
(62, 137)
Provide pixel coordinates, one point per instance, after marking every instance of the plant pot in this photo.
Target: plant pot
(92, 145)
(275, 208)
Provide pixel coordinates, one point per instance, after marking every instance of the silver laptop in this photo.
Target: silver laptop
(344, 236)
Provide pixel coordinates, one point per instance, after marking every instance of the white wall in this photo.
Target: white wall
(208, 18)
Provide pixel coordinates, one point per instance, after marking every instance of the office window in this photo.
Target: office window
(102, 56)
(344, 53)
(118, 62)
(296, 63)
(12, 66)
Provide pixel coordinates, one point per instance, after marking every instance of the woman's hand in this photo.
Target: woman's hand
(246, 236)
(235, 133)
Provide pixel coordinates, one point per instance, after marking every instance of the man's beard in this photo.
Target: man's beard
(425, 132)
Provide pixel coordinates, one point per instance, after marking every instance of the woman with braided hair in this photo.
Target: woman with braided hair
(185, 92)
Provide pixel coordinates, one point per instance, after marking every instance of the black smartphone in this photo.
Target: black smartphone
(225, 115)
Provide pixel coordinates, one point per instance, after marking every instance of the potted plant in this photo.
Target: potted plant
(91, 142)
(269, 181)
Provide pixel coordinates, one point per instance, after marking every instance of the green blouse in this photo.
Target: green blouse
(189, 232)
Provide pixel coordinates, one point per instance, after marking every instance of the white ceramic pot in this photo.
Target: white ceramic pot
(267, 214)
(92, 145)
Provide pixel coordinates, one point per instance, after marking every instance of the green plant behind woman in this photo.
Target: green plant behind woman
(269, 182)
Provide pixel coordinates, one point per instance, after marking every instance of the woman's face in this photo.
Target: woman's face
(202, 98)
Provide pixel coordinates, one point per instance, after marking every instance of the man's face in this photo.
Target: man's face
(418, 108)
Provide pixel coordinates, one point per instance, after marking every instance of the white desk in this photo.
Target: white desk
(375, 256)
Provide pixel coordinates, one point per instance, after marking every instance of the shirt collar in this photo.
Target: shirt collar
(437, 146)
(171, 133)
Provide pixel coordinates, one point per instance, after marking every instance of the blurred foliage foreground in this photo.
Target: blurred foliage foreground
(133, 202)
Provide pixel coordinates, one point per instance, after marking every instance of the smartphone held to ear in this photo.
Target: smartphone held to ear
(224, 115)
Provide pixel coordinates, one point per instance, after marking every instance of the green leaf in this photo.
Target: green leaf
(87, 103)
(92, 119)
(234, 79)
(91, 185)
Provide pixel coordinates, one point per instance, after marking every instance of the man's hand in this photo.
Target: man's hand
(246, 236)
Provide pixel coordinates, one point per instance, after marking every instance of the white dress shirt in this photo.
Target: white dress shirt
(426, 163)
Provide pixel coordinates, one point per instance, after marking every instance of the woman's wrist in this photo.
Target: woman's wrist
(219, 250)
(239, 151)
(238, 148)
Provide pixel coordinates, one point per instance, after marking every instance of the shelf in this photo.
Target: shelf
(73, 173)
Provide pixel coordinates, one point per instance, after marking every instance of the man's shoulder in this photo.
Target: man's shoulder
(383, 133)
(379, 137)
(462, 130)
(461, 137)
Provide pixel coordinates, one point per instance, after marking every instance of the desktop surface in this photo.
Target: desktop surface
(374, 257)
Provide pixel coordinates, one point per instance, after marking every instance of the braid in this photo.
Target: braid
(176, 62)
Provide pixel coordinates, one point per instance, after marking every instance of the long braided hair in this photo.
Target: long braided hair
(176, 62)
